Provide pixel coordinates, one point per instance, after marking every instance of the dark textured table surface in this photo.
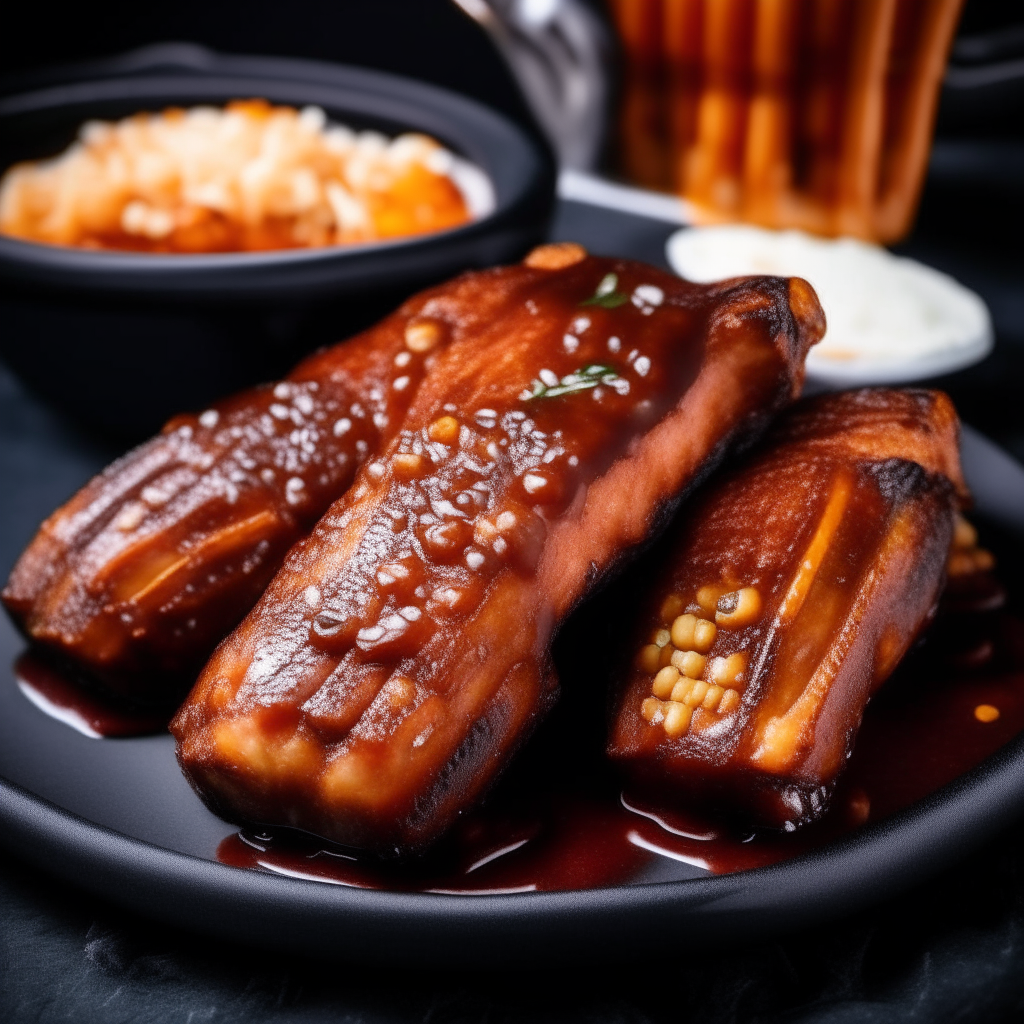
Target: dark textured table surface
(951, 949)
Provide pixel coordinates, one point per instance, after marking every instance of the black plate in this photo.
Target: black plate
(116, 817)
(124, 340)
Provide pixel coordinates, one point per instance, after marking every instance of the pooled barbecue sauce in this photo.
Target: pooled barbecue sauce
(59, 695)
(919, 733)
(557, 841)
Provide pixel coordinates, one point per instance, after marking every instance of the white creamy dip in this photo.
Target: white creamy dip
(890, 319)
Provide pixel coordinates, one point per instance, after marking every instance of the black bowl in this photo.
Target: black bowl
(124, 340)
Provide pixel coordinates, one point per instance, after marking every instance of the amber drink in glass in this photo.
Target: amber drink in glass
(811, 114)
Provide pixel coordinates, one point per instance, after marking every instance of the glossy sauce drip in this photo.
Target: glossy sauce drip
(919, 733)
(559, 841)
(63, 698)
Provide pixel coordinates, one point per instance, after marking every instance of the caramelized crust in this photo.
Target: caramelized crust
(144, 571)
(797, 583)
(401, 654)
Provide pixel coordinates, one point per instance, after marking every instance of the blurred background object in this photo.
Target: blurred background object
(561, 56)
(891, 320)
(432, 40)
(813, 114)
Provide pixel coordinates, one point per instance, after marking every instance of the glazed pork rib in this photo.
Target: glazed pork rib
(144, 571)
(797, 583)
(401, 654)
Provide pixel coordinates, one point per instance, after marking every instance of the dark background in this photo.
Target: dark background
(950, 949)
(428, 39)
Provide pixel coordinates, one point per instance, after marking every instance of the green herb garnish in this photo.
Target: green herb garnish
(580, 380)
(606, 295)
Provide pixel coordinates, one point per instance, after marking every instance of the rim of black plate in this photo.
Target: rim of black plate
(269, 910)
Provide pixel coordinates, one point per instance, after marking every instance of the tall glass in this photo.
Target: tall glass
(814, 114)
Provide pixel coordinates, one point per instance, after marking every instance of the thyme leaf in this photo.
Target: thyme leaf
(580, 380)
(606, 296)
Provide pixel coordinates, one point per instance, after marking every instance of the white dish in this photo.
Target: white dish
(891, 319)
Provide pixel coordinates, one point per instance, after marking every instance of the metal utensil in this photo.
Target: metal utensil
(558, 51)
